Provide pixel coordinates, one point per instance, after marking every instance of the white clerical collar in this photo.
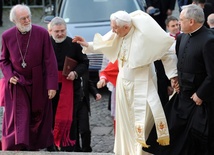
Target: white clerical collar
(195, 30)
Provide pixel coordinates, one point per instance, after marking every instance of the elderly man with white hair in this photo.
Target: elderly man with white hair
(29, 67)
(136, 41)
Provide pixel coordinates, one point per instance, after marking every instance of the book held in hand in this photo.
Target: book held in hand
(69, 65)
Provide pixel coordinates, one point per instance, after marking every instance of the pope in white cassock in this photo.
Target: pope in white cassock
(136, 40)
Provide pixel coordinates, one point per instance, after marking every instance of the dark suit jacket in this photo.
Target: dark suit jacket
(163, 5)
(183, 2)
(210, 1)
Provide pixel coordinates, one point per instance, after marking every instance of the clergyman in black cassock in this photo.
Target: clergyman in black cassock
(190, 113)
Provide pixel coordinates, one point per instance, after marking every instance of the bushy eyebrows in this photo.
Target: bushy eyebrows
(61, 30)
(25, 17)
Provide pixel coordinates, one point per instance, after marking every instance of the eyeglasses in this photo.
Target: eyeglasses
(25, 18)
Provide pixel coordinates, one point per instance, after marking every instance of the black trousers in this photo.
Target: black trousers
(83, 129)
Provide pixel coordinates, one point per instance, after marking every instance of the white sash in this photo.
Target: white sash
(147, 105)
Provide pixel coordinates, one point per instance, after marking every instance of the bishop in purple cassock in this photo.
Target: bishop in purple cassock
(28, 59)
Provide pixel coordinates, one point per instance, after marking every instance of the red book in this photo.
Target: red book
(69, 65)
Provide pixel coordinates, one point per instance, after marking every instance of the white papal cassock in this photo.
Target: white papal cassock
(138, 105)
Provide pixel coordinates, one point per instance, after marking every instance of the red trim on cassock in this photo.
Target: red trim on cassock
(64, 113)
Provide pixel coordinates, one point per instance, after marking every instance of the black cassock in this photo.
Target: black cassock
(191, 127)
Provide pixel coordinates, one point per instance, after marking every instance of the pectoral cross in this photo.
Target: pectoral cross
(24, 64)
(123, 52)
(123, 59)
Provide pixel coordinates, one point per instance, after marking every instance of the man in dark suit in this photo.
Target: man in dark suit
(165, 6)
(190, 117)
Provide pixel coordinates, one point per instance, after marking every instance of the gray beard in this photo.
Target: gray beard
(24, 29)
(59, 40)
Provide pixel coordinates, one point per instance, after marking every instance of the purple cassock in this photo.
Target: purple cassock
(27, 118)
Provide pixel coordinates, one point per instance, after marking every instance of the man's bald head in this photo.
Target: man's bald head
(210, 20)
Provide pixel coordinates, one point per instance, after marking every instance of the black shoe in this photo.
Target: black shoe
(52, 148)
(87, 149)
(24, 149)
(67, 148)
(77, 149)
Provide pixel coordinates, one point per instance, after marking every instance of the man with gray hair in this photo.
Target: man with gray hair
(68, 97)
(190, 116)
(136, 41)
(29, 67)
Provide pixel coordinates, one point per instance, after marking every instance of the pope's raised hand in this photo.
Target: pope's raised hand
(80, 40)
